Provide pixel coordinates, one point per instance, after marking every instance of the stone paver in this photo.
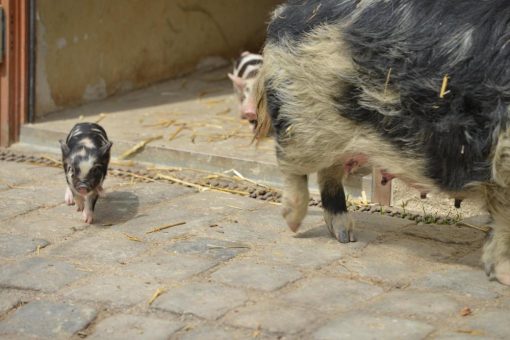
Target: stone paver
(273, 317)
(123, 326)
(469, 282)
(47, 320)
(300, 253)
(232, 271)
(39, 274)
(491, 322)
(206, 300)
(163, 266)
(106, 247)
(49, 224)
(213, 248)
(362, 326)
(14, 245)
(117, 290)
(256, 276)
(416, 304)
(9, 299)
(330, 294)
(218, 333)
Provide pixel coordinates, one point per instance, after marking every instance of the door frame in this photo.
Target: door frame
(14, 71)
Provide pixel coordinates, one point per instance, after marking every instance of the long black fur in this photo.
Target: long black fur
(422, 41)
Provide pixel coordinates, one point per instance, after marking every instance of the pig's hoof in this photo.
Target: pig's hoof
(495, 258)
(340, 226)
(88, 216)
(294, 211)
(100, 192)
(294, 217)
(294, 226)
(69, 199)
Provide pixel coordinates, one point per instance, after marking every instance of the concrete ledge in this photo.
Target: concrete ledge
(36, 137)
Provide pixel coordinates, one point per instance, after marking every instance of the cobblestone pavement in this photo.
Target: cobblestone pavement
(232, 271)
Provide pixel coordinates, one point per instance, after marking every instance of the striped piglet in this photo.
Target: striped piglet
(244, 77)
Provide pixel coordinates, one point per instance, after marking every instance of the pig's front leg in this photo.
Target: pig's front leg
(69, 197)
(88, 211)
(295, 199)
(80, 202)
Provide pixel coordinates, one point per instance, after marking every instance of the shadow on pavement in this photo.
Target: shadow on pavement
(118, 207)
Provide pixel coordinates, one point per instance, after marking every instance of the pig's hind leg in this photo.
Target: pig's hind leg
(334, 203)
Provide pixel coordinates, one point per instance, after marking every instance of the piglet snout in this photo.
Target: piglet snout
(83, 189)
(250, 115)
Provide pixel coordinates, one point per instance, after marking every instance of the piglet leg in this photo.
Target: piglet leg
(69, 199)
(88, 211)
(80, 202)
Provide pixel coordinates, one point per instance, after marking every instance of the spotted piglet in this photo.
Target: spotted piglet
(85, 155)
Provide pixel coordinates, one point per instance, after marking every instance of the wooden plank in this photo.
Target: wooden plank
(13, 71)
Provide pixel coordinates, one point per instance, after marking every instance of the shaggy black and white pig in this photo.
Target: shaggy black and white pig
(420, 89)
(85, 155)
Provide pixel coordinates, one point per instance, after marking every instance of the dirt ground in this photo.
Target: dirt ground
(435, 203)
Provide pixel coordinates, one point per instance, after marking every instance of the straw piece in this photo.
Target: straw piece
(162, 123)
(101, 117)
(138, 147)
(223, 112)
(471, 331)
(443, 86)
(176, 180)
(179, 129)
(214, 101)
(156, 294)
(155, 230)
(484, 229)
(132, 238)
(232, 246)
(387, 82)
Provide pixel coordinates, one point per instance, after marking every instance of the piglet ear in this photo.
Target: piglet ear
(238, 82)
(105, 148)
(65, 149)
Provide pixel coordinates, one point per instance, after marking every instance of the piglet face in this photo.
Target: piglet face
(86, 176)
(86, 168)
(245, 92)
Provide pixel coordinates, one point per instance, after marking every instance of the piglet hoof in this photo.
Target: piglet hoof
(100, 192)
(88, 216)
(69, 199)
(340, 226)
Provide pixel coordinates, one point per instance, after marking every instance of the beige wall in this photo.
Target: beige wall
(90, 49)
